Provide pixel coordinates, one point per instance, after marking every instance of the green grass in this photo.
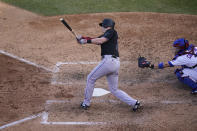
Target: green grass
(59, 7)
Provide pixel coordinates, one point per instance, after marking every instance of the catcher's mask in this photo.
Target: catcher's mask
(181, 44)
(107, 23)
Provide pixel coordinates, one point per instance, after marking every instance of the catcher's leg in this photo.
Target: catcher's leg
(187, 81)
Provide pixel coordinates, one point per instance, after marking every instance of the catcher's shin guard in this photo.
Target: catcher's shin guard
(187, 81)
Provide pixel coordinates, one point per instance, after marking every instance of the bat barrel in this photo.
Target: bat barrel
(66, 24)
(61, 19)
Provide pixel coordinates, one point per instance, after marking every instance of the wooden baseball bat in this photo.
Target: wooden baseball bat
(67, 26)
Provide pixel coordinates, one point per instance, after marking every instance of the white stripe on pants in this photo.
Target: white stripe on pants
(108, 67)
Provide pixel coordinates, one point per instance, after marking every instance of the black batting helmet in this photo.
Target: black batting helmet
(107, 23)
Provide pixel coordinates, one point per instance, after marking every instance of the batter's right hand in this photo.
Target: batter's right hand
(79, 37)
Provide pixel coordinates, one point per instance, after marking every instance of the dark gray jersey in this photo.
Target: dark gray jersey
(111, 46)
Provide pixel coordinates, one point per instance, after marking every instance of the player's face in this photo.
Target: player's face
(176, 50)
(105, 29)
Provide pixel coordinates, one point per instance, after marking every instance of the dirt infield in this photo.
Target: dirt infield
(26, 88)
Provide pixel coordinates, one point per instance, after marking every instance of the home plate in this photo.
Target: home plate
(100, 92)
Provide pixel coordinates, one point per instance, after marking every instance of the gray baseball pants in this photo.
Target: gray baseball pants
(108, 67)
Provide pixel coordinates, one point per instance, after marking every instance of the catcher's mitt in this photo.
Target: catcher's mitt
(142, 62)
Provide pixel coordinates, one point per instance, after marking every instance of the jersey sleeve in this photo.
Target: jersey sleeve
(181, 60)
(108, 34)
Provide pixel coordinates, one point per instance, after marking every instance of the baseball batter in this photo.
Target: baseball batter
(109, 65)
(185, 56)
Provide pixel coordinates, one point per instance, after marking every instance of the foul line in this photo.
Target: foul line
(25, 61)
(20, 121)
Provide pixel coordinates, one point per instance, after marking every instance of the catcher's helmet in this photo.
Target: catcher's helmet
(107, 23)
(181, 43)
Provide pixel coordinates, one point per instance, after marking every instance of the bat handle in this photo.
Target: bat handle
(74, 34)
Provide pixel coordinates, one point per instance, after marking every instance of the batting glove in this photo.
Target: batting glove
(79, 37)
(82, 41)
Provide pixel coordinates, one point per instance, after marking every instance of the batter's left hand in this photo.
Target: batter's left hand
(82, 41)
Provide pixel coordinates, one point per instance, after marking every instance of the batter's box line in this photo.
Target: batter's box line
(45, 121)
(45, 114)
(57, 66)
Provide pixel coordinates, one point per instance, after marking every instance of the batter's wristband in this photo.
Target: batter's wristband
(161, 65)
(89, 41)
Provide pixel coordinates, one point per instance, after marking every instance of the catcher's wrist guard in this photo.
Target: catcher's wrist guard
(161, 65)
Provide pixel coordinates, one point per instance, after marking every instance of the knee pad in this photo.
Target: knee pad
(179, 74)
(190, 82)
(186, 80)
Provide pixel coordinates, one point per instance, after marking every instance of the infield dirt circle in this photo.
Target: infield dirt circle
(25, 89)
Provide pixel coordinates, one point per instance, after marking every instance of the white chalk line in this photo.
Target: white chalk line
(77, 63)
(55, 70)
(49, 102)
(74, 123)
(45, 121)
(25, 61)
(44, 115)
(57, 66)
(20, 121)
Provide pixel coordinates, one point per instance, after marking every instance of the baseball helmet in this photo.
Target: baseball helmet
(181, 43)
(107, 23)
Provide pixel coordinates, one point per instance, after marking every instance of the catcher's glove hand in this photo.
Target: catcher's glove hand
(142, 62)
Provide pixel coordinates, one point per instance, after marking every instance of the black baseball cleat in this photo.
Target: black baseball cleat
(136, 106)
(194, 91)
(84, 106)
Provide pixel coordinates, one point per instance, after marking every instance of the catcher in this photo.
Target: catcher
(185, 56)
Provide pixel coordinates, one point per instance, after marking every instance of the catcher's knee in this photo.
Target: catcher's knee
(179, 74)
(186, 80)
(190, 82)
